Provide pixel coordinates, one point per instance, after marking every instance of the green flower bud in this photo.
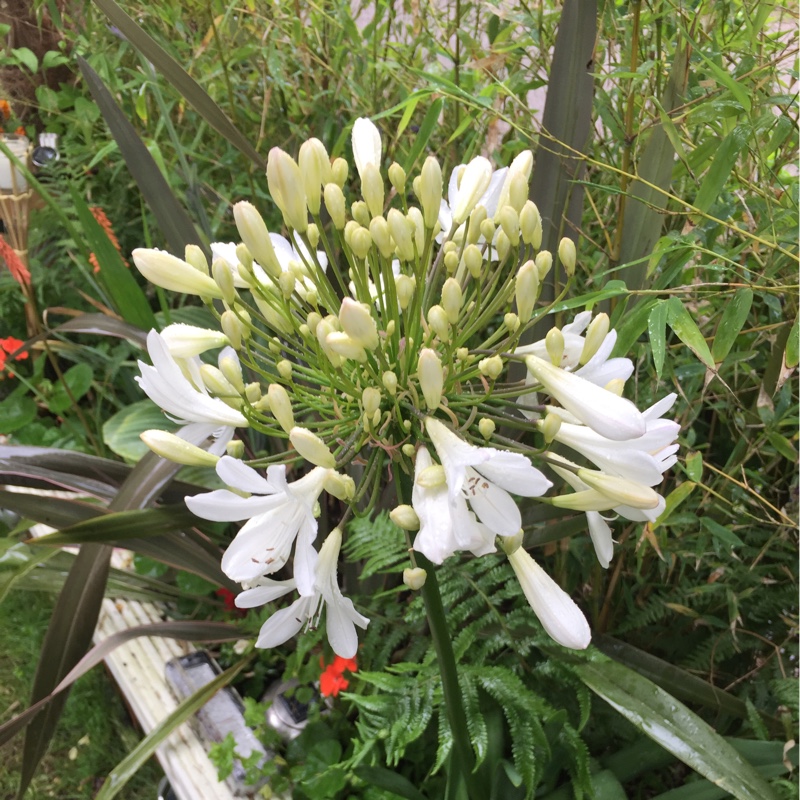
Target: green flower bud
(361, 243)
(281, 406)
(339, 171)
(487, 428)
(389, 380)
(286, 187)
(491, 367)
(431, 377)
(437, 319)
(473, 260)
(284, 367)
(360, 212)
(195, 257)
(342, 487)
(517, 191)
(334, 202)
(415, 215)
(567, 255)
(431, 191)
(554, 343)
(372, 190)
(174, 274)
(397, 177)
(414, 578)
(179, 451)
(230, 367)
(452, 299)
(408, 448)
(502, 245)
(543, 261)
(476, 219)
(216, 382)
(341, 344)
(252, 392)
(313, 235)
(595, 336)
(311, 447)
(286, 283)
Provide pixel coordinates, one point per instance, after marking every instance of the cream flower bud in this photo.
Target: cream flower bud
(402, 233)
(245, 257)
(408, 448)
(595, 336)
(361, 243)
(550, 426)
(286, 187)
(526, 290)
(255, 236)
(223, 277)
(275, 317)
(462, 354)
(473, 259)
(491, 367)
(567, 255)
(312, 320)
(284, 367)
(431, 191)
(281, 406)
(323, 330)
(476, 219)
(488, 229)
(451, 262)
(397, 177)
(415, 216)
(311, 447)
(432, 477)
(474, 182)
(334, 202)
(342, 487)
(341, 344)
(511, 321)
(414, 578)
(231, 368)
(405, 286)
(502, 245)
(371, 400)
(179, 451)
(315, 168)
(556, 610)
(366, 140)
(252, 392)
(486, 427)
(416, 186)
(351, 226)
(405, 517)
(518, 191)
(554, 343)
(437, 319)
(216, 382)
(235, 448)
(174, 274)
(339, 170)
(357, 322)
(313, 233)
(372, 189)
(379, 231)
(196, 258)
(620, 490)
(431, 377)
(389, 380)
(185, 341)
(508, 219)
(529, 221)
(286, 283)
(544, 262)
(452, 299)
(360, 212)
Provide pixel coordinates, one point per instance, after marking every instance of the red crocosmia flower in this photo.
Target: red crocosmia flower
(7, 346)
(19, 272)
(229, 598)
(332, 680)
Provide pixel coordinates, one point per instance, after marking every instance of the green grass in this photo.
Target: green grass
(94, 734)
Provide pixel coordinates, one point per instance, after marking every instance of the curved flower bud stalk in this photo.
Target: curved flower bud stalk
(556, 610)
(341, 617)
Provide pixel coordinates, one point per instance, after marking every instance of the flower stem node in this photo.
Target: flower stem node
(281, 406)
(311, 447)
(414, 578)
(405, 517)
(357, 322)
(173, 448)
(431, 377)
(491, 367)
(174, 274)
(487, 428)
(567, 255)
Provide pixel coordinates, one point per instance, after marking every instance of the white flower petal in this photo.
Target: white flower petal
(267, 591)
(285, 624)
(366, 145)
(494, 506)
(239, 476)
(600, 532)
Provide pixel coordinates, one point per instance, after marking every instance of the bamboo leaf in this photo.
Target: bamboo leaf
(721, 167)
(180, 79)
(733, 318)
(170, 215)
(657, 328)
(427, 127)
(685, 328)
(125, 770)
(666, 720)
(792, 352)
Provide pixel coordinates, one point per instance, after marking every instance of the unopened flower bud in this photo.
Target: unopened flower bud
(315, 169)
(371, 400)
(245, 258)
(281, 406)
(414, 578)
(486, 427)
(405, 286)
(185, 341)
(544, 262)
(357, 322)
(216, 382)
(550, 426)
(174, 274)
(196, 258)
(252, 392)
(554, 343)
(432, 477)
(313, 234)
(416, 186)
(462, 354)
(488, 229)
(179, 451)
(508, 219)
(452, 299)
(372, 189)
(595, 336)
(437, 319)
(361, 243)
(286, 187)
(451, 262)
(517, 191)
(474, 182)
(622, 491)
(473, 259)
(491, 367)
(408, 448)
(339, 170)
(529, 221)
(341, 344)
(476, 219)
(286, 283)
(255, 237)
(334, 202)
(402, 233)
(430, 191)
(235, 448)
(284, 367)
(342, 487)
(231, 368)
(431, 377)
(567, 255)
(405, 517)
(397, 177)
(360, 212)
(311, 447)
(526, 290)
(415, 216)
(379, 231)
(312, 320)
(389, 380)
(511, 321)
(223, 277)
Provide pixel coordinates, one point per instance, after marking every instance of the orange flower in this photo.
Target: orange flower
(332, 680)
(105, 224)
(10, 345)
(5, 109)
(19, 272)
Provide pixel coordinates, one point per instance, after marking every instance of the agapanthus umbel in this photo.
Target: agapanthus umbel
(379, 348)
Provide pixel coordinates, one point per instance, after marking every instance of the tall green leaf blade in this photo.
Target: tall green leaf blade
(677, 729)
(685, 328)
(57, 512)
(429, 123)
(103, 325)
(733, 318)
(180, 79)
(721, 167)
(169, 214)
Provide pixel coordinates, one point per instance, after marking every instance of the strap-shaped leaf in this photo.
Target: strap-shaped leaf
(677, 729)
(169, 214)
(180, 79)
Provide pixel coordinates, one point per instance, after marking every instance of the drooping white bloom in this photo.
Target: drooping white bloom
(182, 399)
(277, 514)
(341, 617)
(556, 610)
(484, 476)
(611, 416)
(366, 142)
